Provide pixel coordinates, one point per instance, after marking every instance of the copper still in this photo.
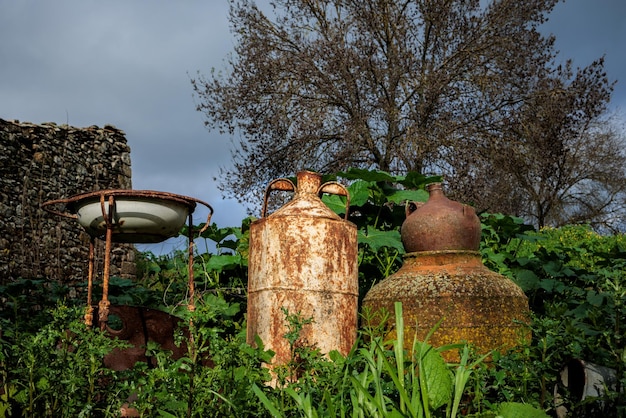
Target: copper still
(303, 257)
(443, 279)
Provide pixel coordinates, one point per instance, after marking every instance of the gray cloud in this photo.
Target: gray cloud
(586, 30)
(128, 63)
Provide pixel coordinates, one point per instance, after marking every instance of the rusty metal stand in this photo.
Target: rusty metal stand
(107, 200)
(103, 306)
(89, 310)
(191, 284)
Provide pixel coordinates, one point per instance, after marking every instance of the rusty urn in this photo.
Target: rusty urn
(303, 258)
(443, 279)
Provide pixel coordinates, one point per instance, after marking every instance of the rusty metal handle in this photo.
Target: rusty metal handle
(45, 207)
(283, 184)
(412, 206)
(332, 187)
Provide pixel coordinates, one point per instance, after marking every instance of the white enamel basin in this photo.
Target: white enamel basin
(144, 218)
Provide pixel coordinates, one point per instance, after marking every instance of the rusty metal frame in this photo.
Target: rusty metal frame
(109, 196)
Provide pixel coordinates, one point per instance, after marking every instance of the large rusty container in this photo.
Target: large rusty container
(443, 279)
(303, 258)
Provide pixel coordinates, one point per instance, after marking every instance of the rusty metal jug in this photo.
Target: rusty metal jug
(303, 257)
(440, 224)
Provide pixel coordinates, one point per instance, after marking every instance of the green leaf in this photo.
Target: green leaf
(230, 244)
(436, 375)
(266, 402)
(43, 384)
(553, 268)
(551, 285)
(335, 202)
(121, 299)
(367, 175)
(336, 357)
(401, 196)
(415, 180)
(21, 396)
(519, 410)
(394, 413)
(594, 298)
(217, 234)
(165, 414)
(526, 279)
(120, 282)
(359, 193)
(223, 262)
(376, 239)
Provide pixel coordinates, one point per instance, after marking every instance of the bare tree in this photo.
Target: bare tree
(559, 158)
(433, 86)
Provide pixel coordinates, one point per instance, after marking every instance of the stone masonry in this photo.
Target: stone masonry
(42, 162)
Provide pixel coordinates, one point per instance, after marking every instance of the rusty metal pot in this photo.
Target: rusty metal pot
(443, 281)
(440, 224)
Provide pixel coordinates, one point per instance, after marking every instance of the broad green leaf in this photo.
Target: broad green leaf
(367, 175)
(336, 357)
(553, 268)
(496, 258)
(526, 279)
(123, 299)
(394, 413)
(401, 196)
(594, 298)
(551, 285)
(335, 202)
(414, 180)
(223, 262)
(359, 193)
(229, 243)
(174, 405)
(269, 405)
(376, 239)
(519, 410)
(120, 282)
(436, 375)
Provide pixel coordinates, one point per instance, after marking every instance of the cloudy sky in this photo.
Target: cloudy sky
(129, 64)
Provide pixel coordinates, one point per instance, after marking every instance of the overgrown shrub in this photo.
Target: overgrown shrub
(51, 364)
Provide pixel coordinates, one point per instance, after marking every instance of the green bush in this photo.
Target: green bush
(58, 371)
(51, 364)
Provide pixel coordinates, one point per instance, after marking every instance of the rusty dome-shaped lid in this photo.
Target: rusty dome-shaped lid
(440, 224)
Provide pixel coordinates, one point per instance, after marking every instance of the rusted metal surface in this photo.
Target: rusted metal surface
(138, 326)
(440, 224)
(443, 279)
(303, 257)
(114, 225)
(477, 305)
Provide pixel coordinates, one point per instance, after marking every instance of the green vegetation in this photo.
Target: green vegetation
(51, 364)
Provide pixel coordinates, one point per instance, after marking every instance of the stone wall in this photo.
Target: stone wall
(42, 162)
